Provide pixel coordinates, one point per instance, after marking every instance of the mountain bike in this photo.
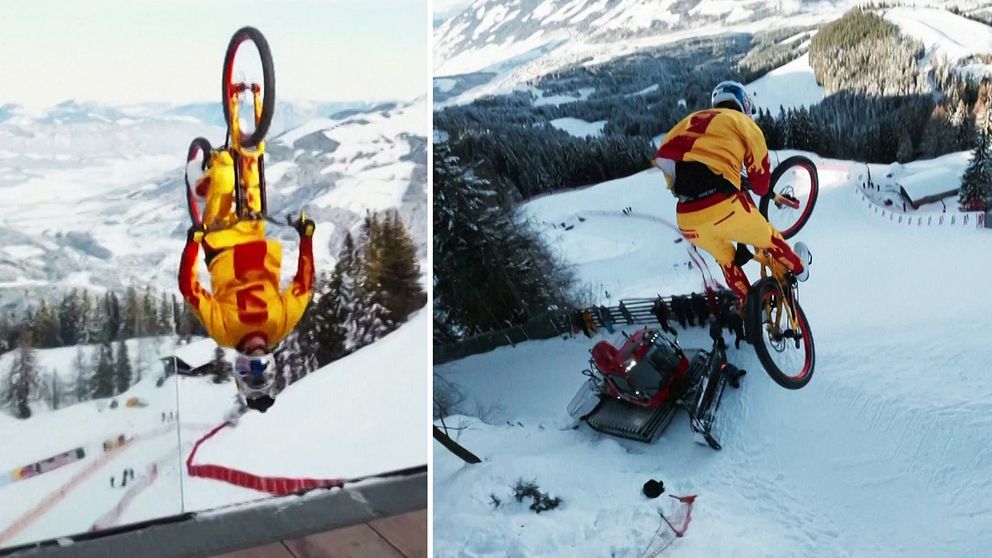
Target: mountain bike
(247, 88)
(774, 321)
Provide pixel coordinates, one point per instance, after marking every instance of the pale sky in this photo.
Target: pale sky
(129, 51)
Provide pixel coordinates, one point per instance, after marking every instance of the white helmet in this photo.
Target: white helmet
(255, 373)
(734, 92)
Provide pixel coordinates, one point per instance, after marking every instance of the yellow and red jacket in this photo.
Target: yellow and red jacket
(246, 297)
(724, 140)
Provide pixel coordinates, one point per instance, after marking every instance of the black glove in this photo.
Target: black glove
(194, 234)
(303, 224)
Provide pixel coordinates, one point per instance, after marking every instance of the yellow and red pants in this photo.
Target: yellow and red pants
(715, 222)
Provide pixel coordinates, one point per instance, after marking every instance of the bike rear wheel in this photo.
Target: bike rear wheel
(197, 157)
(230, 89)
(788, 356)
(794, 178)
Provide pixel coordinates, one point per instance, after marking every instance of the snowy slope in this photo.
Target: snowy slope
(578, 127)
(953, 36)
(93, 196)
(892, 433)
(372, 418)
(351, 438)
(790, 86)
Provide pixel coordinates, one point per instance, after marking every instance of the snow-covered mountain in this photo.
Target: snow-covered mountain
(494, 31)
(93, 195)
(494, 45)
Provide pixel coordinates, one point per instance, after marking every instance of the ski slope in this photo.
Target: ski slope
(887, 452)
(942, 32)
(361, 415)
(790, 86)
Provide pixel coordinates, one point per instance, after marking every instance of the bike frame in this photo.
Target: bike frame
(771, 268)
(245, 158)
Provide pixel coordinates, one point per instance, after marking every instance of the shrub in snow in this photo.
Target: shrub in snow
(541, 500)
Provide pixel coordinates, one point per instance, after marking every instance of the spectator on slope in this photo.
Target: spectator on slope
(701, 158)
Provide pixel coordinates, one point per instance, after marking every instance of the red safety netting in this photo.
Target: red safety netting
(277, 486)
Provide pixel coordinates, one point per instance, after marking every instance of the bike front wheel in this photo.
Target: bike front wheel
(252, 124)
(786, 354)
(797, 183)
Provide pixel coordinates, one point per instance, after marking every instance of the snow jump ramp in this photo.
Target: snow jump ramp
(212, 532)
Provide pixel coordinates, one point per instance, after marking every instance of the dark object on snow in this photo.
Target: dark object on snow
(653, 488)
(261, 404)
(113, 403)
(112, 482)
(542, 501)
(454, 447)
(581, 219)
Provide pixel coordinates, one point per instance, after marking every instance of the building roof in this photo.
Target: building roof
(197, 353)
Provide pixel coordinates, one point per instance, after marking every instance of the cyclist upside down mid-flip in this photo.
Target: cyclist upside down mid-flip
(246, 310)
(701, 158)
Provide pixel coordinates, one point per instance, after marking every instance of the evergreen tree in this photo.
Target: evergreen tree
(292, 361)
(82, 388)
(322, 331)
(4, 332)
(347, 269)
(22, 379)
(55, 391)
(976, 184)
(189, 324)
(398, 270)
(165, 320)
(123, 372)
(149, 314)
(495, 270)
(94, 318)
(113, 324)
(370, 321)
(46, 326)
(904, 152)
(69, 318)
(177, 315)
(938, 133)
(963, 122)
(133, 315)
(103, 381)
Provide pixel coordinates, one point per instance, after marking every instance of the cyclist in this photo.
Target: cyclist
(701, 158)
(246, 310)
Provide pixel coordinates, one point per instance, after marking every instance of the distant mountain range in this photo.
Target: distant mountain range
(92, 195)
